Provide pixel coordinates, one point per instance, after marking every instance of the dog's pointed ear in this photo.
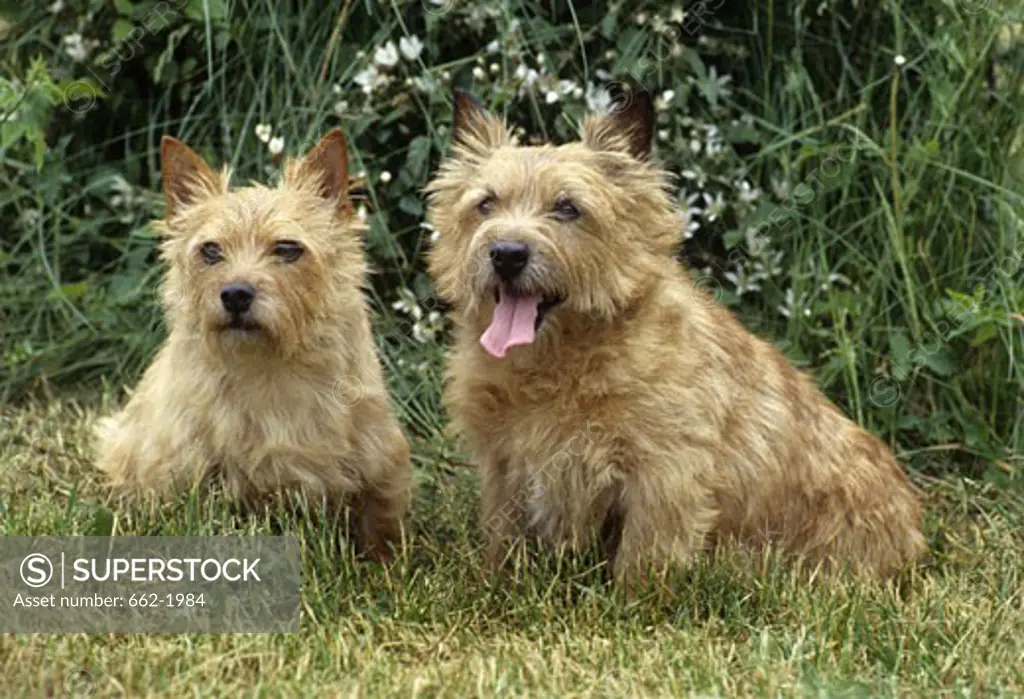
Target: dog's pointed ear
(627, 126)
(325, 168)
(474, 129)
(186, 176)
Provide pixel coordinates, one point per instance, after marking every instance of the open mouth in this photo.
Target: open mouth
(241, 324)
(517, 318)
(546, 303)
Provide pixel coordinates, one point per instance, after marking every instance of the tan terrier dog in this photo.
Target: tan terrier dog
(269, 377)
(601, 393)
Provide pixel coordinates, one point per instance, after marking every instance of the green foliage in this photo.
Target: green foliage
(851, 172)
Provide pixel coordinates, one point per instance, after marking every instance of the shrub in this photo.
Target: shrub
(850, 172)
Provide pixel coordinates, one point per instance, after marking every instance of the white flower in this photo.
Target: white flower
(424, 84)
(340, 107)
(713, 207)
(689, 210)
(411, 47)
(691, 226)
(677, 15)
(276, 145)
(721, 80)
(406, 301)
(366, 78)
(770, 264)
(385, 177)
(263, 132)
(566, 86)
(662, 134)
(386, 56)
(786, 309)
(667, 96)
(747, 193)
(76, 47)
(695, 174)
(780, 188)
(56, 6)
(755, 242)
(493, 47)
(495, 68)
(540, 59)
(640, 18)
(598, 99)
(479, 73)
(900, 59)
(551, 97)
(361, 213)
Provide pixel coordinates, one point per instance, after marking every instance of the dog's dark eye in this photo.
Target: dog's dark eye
(211, 253)
(288, 250)
(486, 206)
(565, 211)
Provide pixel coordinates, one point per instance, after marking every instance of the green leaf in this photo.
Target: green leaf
(123, 7)
(899, 348)
(411, 205)
(732, 238)
(419, 154)
(941, 362)
(122, 28)
(197, 10)
(68, 291)
(984, 334)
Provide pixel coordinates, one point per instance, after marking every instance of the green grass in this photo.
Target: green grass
(433, 624)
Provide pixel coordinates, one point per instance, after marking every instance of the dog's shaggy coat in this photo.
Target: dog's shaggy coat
(290, 395)
(640, 412)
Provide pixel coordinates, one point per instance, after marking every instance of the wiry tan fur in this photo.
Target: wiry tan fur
(643, 413)
(298, 405)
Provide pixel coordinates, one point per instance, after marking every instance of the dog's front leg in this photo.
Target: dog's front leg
(382, 503)
(667, 516)
(501, 512)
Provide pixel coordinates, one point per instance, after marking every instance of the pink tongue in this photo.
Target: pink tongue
(512, 324)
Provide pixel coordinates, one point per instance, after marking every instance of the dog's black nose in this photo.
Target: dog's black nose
(509, 259)
(237, 298)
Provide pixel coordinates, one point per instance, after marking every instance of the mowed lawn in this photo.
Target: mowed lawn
(432, 624)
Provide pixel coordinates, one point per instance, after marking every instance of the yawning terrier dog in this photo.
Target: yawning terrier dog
(603, 395)
(269, 377)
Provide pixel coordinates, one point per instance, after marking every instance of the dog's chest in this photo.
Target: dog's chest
(564, 476)
(252, 425)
